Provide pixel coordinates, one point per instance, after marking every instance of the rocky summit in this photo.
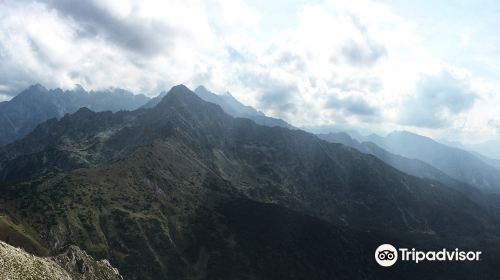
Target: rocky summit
(71, 264)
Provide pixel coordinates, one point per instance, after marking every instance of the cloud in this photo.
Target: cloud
(143, 36)
(335, 62)
(363, 55)
(365, 52)
(352, 105)
(147, 45)
(143, 46)
(365, 84)
(276, 94)
(437, 99)
(495, 124)
(332, 49)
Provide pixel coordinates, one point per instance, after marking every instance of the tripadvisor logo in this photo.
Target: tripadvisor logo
(387, 255)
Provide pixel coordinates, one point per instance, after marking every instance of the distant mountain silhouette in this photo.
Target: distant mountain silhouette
(36, 104)
(491, 161)
(413, 167)
(457, 163)
(490, 149)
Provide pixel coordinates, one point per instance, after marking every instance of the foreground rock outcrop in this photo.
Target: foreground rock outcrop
(72, 264)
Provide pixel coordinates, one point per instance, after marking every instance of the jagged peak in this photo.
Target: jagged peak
(206, 94)
(201, 88)
(181, 96)
(179, 89)
(179, 92)
(37, 87)
(32, 90)
(83, 111)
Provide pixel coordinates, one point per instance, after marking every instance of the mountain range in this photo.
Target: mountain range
(488, 148)
(230, 105)
(183, 190)
(413, 167)
(456, 163)
(36, 104)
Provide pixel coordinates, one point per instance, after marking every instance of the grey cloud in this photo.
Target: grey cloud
(278, 98)
(352, 105)
(14, 77)
(436, 95)
(359, 55)
(275, 94)
(5, 92)
(147, 38)
(365, 53)
(359, 84)
(41, 52)
(131, 40)
(293, 61)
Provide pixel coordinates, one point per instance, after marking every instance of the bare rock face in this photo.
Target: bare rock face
(81, 266)
(72, 264)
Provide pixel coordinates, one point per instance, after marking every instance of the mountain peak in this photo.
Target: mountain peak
(179, 93)
(201, 88)
(180, 89)
(176, 90)
(30, 92)
(83, 112)
(36, 87)
(402, 132)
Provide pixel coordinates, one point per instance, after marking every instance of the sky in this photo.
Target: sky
(431, 67)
